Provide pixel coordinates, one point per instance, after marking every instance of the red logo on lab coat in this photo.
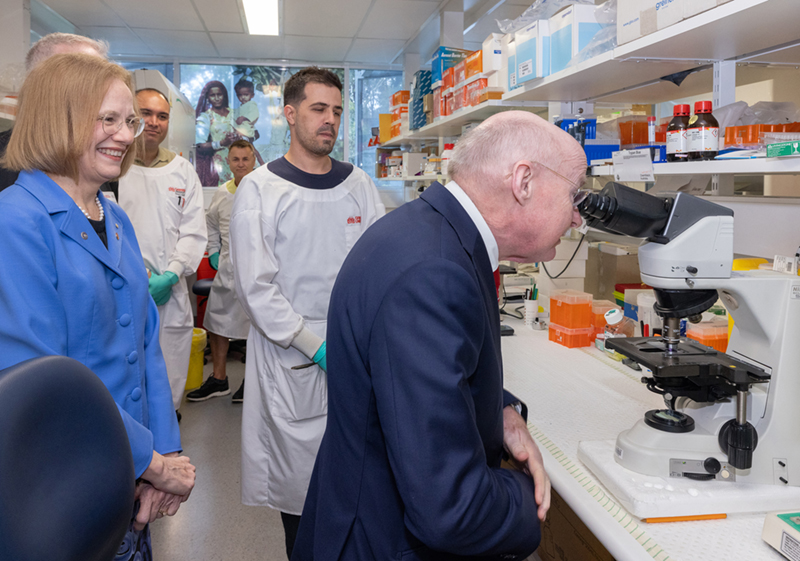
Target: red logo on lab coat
(354, 220)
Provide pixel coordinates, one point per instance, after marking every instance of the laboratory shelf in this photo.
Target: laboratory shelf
(451, 125)
(407, 138)
(757, 166)
(741, 30)
(430, 177)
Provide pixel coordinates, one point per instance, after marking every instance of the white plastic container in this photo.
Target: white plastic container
(617, 325)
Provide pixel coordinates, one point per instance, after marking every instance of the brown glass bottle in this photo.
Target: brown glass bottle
(703, 133)
(677, 135)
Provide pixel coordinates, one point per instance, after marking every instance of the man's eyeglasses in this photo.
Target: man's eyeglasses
(580, 193)
(112, 123)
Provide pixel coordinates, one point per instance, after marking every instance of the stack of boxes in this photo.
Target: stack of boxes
(420, 87)
(572, 278)
(399, 110)
(444, 59)
(571, 318)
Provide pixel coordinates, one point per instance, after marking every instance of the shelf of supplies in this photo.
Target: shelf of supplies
(735, 30)
(430, 177)
(451, 125)
(407, 138)
(756, 166)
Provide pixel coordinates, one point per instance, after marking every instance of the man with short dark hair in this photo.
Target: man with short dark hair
(224, 318)
(293, 222)
(164, 199)
(44, 48)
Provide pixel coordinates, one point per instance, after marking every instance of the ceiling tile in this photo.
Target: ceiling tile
(396, 19)
(122, 41)
(375, 51)
(178, 43)
(315, 49)
(241, 45)
(85, 12)
(321, 18)
(220, 15)
(157, 14)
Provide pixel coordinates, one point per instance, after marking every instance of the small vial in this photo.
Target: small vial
(651, 136)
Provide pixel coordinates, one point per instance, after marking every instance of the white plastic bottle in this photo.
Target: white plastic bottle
(617, 325)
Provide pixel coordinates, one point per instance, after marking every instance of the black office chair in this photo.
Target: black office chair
(67, 480)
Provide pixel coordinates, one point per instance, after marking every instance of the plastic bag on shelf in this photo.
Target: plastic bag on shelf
(774, 112)
(540, 9)
(605, 39)
(730, 115)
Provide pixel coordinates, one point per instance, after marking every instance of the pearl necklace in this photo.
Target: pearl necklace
(99, 207)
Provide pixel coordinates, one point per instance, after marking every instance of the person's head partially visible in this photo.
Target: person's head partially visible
(241, 159)
(312, 100)
(154, 108)
(245, 90)
(524, 175)
(76, 118)
(63, 43)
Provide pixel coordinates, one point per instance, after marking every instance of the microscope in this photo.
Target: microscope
(728, 416)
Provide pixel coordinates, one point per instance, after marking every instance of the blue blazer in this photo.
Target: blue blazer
(409, 467)
(63, 293)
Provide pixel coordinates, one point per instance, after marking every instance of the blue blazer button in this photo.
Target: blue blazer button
(136, 394)
(133, 357)
(125, 320)
(117, 283)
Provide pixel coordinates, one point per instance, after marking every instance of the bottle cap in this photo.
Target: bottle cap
(681, 110)
(613, 316)
(702, 107)
(448, 146)
(651, 118)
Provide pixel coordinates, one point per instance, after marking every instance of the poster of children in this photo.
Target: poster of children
(238, 102)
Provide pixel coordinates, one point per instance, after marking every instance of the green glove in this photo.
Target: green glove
(321, 357)
(213, 260)
(160, 287)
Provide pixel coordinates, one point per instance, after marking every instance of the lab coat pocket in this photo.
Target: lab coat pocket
(351, 234)
(299, 394)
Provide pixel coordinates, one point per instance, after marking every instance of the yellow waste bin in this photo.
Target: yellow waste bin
(195, 377)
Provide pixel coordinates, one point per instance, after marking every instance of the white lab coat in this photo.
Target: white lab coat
(224, 315)
(165, 206)
(287, 246)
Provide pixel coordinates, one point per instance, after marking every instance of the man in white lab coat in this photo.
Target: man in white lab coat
(164, 200)
(224, 319)
(293, 223)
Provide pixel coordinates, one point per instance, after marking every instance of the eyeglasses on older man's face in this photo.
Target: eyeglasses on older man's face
(577, 193)
(112, 123)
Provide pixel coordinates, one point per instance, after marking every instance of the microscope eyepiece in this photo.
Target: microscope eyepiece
(597, 206)
(621, 210)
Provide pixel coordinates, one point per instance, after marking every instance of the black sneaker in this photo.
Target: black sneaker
(210, 388)
(238, 397)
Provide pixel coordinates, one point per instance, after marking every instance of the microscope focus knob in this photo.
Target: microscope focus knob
(691, 270)
(738, 442)
(712, 465)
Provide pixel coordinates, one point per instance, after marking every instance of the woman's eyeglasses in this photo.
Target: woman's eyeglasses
(112, 123)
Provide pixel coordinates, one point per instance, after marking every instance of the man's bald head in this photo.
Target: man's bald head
(63, 43)
(488, 152)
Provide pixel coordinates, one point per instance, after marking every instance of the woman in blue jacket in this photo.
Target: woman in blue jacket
(72, 280)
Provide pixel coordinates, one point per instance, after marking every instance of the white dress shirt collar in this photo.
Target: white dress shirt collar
(480, 223)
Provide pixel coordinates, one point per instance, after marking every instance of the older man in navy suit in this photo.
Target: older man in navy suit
(418, 420)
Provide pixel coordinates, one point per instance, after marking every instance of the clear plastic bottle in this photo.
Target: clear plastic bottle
(677, 135)
(617, 325)
(703, 133)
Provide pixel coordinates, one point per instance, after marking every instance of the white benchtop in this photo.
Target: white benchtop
(580, 394)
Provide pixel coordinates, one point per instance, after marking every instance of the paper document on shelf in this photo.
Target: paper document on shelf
(633, 165)
(689, 184)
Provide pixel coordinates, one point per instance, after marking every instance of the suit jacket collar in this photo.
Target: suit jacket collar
(69, 219)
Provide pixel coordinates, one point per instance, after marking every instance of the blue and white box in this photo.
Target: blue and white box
(533, 51)
(570, 31)
(509, 80)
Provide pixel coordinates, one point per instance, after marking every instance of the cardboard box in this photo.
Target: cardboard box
(637, 18)
(474, 64)
(570, 31)
(604, 270)
(566, 248)
(427, 102)
(448, 104)
(444, 58)
(566, 538)
(400, 97)
(412, 163)
(628, 15)
(447, 80)
(492, 52)
(398, 111)
(384, 127)
(697, 6)
(396, 129)
(533, 51)
(460, 73)
(437, 103)
(459, 98)
(473, 91)
(502, 74)
(486, 96)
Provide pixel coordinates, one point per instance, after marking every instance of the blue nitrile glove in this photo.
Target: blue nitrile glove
(213, 260)
(320, 358)
(160, 287)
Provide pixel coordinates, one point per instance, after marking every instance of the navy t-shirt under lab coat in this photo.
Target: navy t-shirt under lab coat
(285, 170)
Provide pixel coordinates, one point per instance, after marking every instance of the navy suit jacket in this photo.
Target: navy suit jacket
(409, 467)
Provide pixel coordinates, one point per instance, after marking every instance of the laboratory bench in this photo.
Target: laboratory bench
(582, 394)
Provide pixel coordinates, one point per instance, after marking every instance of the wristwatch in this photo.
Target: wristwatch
(517, 405)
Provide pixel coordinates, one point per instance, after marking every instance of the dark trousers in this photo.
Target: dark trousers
(291, 523)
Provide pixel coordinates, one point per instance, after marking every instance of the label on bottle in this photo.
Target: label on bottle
(704, 139)
(677, 142)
